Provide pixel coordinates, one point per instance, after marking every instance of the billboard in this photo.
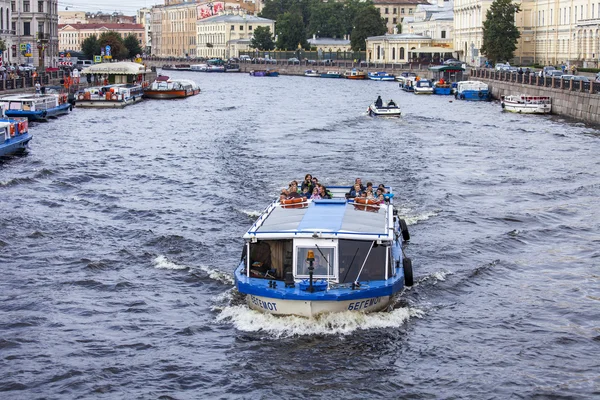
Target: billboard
(210, 9)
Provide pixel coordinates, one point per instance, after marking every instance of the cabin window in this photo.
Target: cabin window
(352, 255)
(271, 258)
(324, 262)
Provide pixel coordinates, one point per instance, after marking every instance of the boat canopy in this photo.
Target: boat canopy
(116, 68)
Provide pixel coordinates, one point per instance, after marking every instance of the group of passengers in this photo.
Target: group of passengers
(360, 190)
(310, 188)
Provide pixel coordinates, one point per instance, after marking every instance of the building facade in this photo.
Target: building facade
(405, 48)
(71, 17)
(433, 20)
(35, 23)
(72, 36)
(144, 18)
(222, 35)
(7, 34)
(394, 11)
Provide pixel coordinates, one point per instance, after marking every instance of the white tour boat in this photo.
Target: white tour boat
(527, 104)
(307, 257)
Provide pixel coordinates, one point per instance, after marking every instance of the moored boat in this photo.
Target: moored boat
(355, 74)
(110, 96)
(264, 72)
(423, 86)
(442, 88)
(14, 136)
(381, 76)
(312, 73)
(230, 67)
(408, 83)
(331, 74)
(308, 257)
(527, 104)
(36, 107)
(176, 67)
(165, 88)
(404, 75)
(390, 109)
(472, 91)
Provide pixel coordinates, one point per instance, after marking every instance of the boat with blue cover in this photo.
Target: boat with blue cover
(263, 72)
(36, 107)
(14, 136)
(472, 91)
(381, 76)
(331, 74)
(308, 257)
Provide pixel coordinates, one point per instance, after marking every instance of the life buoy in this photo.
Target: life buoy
(296, 202)
(114, 97)
(366, 204)
(80, 97)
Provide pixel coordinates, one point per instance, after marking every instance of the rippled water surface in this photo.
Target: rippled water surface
(120, 230)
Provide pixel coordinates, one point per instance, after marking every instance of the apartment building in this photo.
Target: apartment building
(35, 23)
(144, 18)
(71, 36)
(227, 34)
(433, 20)
(7, 35)
(394, 11)
(71, 17)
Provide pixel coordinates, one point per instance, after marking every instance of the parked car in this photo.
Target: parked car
(501, 66)
(293, 60)
(245, 57)
(554, 73)
(546, 70)
(453, 62)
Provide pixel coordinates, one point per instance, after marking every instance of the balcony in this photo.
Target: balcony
(43, 36)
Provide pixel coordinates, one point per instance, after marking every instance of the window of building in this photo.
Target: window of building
(26, 28)
(393, 53)
(13, 6)
(443, 34)
(241, 27)
(395, 10)
(232, 28)
(387, 10)
(249, 27)
(575, 13)
(410, 10)
(26, 6)
(395, 21)
(402, 11)
(40, 30)
(402, 53)
(40, 6)
(387, 20)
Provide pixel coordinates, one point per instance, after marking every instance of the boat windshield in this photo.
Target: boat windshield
(353, 254)
(323, 263)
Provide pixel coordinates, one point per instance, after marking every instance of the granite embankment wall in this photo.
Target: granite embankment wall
(572, 99)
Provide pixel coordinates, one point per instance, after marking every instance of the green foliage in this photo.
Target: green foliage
(327, 20)
(2, 45)
(133, 46)
(367, 23)
(500, 34)
(91, 47)
(274, 9)
(115, 41)
(290, 32)
(262, 39)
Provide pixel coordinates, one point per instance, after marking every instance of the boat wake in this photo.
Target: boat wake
(250, 213)
(161, 262)
(279, 327)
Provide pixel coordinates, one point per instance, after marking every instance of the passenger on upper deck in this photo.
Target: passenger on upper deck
(359, 181)
(315, 194)
(308, 183)
(355, 192)
(323, 192)
(379, 196)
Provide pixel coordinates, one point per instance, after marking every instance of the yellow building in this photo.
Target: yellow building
(394, 11)
(406, 47)
(71, 36)
(225, 35)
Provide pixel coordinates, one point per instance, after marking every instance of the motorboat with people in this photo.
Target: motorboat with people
(408, 83)
(311, 73)
(472, 91)
(166, 88)
(14, 135)
(527, 104)
(308, 257)
(405, 75)
(356, 74)
(36, 107)
(379, 109)
(442, 87)
(423, 86)
(381, 76)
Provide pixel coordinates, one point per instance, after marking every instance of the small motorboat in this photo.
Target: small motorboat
(331, 74)
(14, 136)
(312, 73)
(165, 88)
(472, 91)
(527, 104)
(423, 86)
(390, 109)
(381, 76)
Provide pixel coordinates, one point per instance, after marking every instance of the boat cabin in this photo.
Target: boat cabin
(29, 102)
(342, 240)
(448, 73)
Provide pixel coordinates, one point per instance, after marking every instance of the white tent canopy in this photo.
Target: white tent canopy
(432, 50)
(116, 68)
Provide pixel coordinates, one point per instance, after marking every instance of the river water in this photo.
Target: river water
(120, 230)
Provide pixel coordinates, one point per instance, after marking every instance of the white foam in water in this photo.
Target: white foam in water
(247, 320)
(162, 262)
(411, 220)
(224, 277)
(440, 275)
(251, 213)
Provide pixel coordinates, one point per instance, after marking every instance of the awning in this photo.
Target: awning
(433, 50)
(116, 68)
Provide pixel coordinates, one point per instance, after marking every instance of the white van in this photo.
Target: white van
(81, 64)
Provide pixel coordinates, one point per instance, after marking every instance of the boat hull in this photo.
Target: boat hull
(473, 95)
(423, 90)
(384, 111)
(107, 103)
(444, 91)
(40, 115)
(313, 308)
(15, 145)
(527, 108)
(169, 94)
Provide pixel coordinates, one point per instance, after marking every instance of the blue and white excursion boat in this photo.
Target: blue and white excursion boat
(472, 91)
(307, 257)
(14, 136)
(35, 107)
(381, 76)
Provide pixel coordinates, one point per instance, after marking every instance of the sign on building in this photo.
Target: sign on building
(210, 9)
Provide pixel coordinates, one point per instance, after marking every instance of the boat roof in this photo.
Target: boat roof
(116, 68)
(4, 124)
(27, 97)
(337, 218)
